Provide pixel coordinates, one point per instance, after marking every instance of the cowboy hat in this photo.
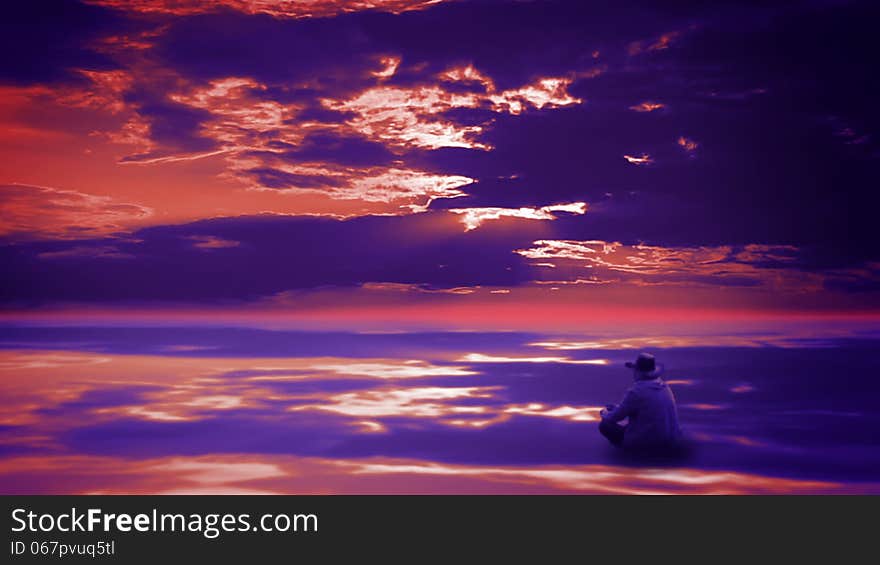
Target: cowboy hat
(646, 366)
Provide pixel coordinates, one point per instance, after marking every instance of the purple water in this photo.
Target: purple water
(177, 409)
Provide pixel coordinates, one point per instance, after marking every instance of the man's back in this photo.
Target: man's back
(650, 408)
(653, 418)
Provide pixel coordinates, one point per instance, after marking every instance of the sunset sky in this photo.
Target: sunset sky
(326, 246)
(396, 163)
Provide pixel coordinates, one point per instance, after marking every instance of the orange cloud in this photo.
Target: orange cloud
(647, 106)
(99, 90)
(285, 9)
(104, 93)
(467, 73)
(135, 132)
(247, 169)
(252, 134)
(545, 92)
(408, 287)
(689, 145)
(405, 117)
(95, 107)
(795, 339)
(240, 120)
(99, 252)
(472, 218)
(212, 242)
(613, 261)
(658, 44)
(65, 214)
(389, 67)
(640, 160)
(403, 190)
(129, 42)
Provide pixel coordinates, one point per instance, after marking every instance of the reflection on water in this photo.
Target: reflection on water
(274, 474)
(253, 411)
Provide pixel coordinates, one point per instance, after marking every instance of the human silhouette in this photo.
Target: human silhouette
(649, 408)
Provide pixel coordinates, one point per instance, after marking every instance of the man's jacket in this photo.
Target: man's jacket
(653, 419)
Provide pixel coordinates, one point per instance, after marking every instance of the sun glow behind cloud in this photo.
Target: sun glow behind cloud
(472, 218)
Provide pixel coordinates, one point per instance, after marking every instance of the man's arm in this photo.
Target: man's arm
(622, 410)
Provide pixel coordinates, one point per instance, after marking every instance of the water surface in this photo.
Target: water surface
(236, 410)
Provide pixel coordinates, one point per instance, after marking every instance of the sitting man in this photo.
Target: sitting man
(650, 408)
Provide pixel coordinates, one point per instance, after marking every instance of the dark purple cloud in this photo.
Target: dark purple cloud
(274, 254)
(42, 42)
(259, 257)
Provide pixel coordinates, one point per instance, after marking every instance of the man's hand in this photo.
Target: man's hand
(608, 408)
